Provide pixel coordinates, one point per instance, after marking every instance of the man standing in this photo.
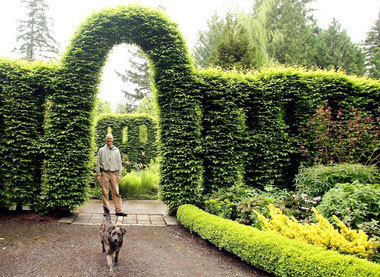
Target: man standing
(108, 172)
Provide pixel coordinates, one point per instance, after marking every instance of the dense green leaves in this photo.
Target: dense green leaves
(128, 137)
(372, 50)
(23, 88)
(215, 129)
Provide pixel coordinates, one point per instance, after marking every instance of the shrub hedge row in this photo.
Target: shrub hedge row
(271, 252)
(128, 135)
(215, 129)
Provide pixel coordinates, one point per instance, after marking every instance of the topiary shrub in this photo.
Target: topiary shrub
(317, 180)
(356, 204)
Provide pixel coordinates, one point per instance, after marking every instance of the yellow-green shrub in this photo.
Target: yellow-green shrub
(344, 240)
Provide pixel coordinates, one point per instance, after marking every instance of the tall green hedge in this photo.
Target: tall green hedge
(273, 105)
(23, 89)
(215, 129)
(126, 130)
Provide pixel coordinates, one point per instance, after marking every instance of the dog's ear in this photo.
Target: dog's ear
(123, 231)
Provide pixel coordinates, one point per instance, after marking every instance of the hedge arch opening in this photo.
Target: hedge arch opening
(69, 128)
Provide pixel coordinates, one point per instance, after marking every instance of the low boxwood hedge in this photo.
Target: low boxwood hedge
(271, 252)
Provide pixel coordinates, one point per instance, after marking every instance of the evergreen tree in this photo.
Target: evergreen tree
(336, 51)
(207, 42)
(232, 50)
(34, 36)
(290, 30)
(372, 50)
(137, 78)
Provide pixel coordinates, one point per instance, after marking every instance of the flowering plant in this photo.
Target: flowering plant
(301, 206)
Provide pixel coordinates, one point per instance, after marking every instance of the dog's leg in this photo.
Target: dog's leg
(103, 249)
(110, 263)
(117, 257)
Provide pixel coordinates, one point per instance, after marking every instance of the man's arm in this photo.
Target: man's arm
(98, 173)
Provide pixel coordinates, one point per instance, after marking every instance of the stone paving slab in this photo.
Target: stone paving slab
(130, 220)
(148, 213)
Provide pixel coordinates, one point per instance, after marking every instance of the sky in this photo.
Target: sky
(355, 16)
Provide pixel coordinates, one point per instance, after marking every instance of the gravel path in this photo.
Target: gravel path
(34, 245)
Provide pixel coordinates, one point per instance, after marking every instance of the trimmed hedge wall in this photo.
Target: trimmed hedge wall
(215, 129)
(23, 89)
(271, 252)
(256, 120)
(127, 137)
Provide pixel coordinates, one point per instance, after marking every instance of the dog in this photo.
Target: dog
(111, 238)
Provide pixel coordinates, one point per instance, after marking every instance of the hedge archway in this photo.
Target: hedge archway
(216, 129)
(68, 131)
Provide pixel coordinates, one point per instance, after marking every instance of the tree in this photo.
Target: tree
(147, 106)
(232, 50)
(335, 50)
(277, 31)
(208, 41)
(34, 35)
(121, 108)
(257, 35)
(372, 50)
(102, 107)
(290, 30)
(137, 79)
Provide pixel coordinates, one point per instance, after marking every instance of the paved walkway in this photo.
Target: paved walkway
(140, 213)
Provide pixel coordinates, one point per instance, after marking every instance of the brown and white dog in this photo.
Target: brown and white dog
(111, 238)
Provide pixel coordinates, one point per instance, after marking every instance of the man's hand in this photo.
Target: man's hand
(99, 178)
(118, 178)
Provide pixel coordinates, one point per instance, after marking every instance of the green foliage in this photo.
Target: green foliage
(95, 192)
(142, 184)
(335, 50)
(23, 90)
(215, 129)
(356, 204)
(207, 41)
(290, 30)
(372, 50)
(232, 48)
(223, 131)
(130, 184)
(238, 202)
(222, 208)
(126, 130)
(271, 252)
(102, 107)
(317, 180)
(147, 106)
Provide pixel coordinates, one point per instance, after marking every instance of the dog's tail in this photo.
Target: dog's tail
(107, 212)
